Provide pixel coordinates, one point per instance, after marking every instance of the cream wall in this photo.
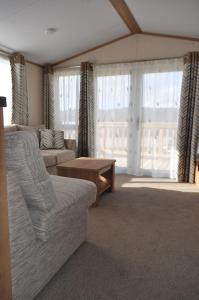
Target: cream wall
(136, 47)
(35, 93)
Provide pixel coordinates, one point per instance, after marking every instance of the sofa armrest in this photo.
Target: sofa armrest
(70, 144)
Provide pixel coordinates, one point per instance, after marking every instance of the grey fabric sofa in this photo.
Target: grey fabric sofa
(52, 157)
(47, 216)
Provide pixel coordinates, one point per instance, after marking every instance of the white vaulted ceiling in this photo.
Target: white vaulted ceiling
(175, 17)
(83, 24)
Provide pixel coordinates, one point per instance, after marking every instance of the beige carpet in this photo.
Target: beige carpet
(143, 244)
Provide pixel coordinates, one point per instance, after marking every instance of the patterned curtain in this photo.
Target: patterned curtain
(19, 90)
(86, 111)
(188, 131)
(48, 97)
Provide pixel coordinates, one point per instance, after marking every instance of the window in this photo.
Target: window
(67, 91)
(159, 119)
(112, 105)
(137, 111)
(6, 88)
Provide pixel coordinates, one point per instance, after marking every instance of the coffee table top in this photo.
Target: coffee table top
(87, 163)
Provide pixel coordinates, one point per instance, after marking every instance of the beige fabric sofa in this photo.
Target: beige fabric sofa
(52, 157)
(47, 216)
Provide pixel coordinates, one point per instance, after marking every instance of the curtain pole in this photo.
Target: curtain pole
(120, 62)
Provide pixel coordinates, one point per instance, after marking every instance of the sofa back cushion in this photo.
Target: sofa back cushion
(20, 224)
(31, 128)
(10, 128)
(24, 158)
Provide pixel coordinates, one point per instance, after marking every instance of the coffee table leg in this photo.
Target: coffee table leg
(96, 181)
(112, 179)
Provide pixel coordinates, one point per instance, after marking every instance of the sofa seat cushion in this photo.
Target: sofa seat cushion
(71, 195)
(59, 156)
(49, 160)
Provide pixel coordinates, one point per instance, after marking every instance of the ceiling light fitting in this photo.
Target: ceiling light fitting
(50, 30)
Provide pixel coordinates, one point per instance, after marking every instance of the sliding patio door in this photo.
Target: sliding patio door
(136, 116)
(159, 100)
(113, 96)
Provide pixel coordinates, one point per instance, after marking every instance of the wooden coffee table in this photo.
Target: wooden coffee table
(100, 171)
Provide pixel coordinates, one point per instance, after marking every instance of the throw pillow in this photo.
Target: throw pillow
(51, 139)
(58, 139)
(46, 139)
